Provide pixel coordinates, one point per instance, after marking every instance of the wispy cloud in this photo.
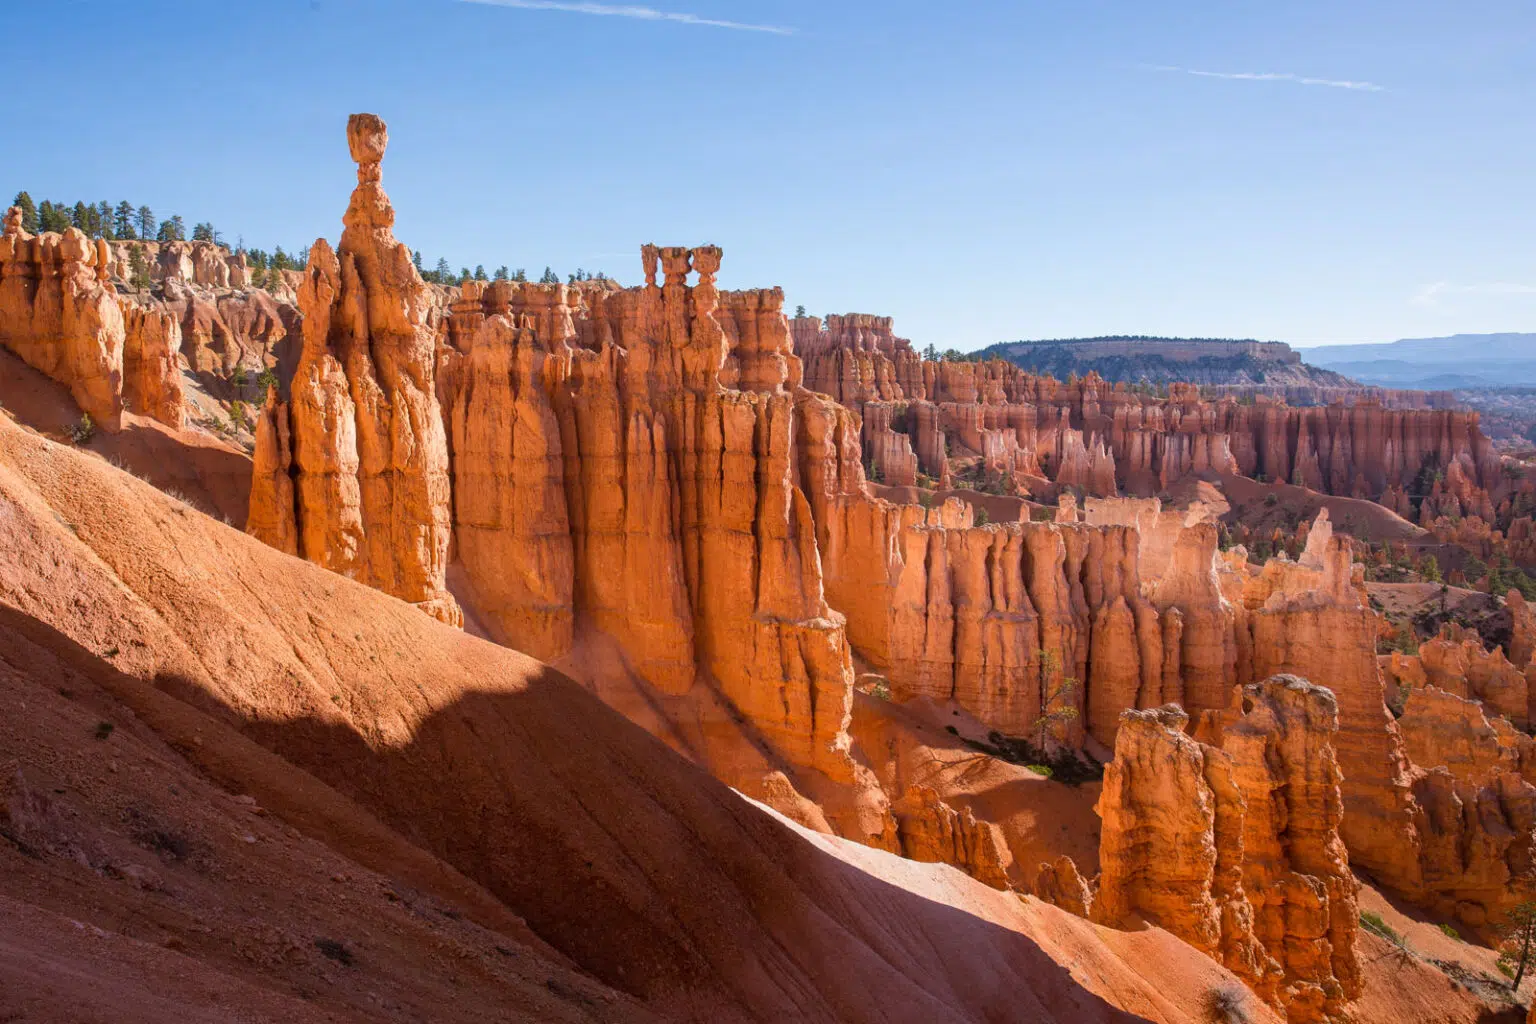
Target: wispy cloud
(632, 11)
(1271, 76)
(1433, 295)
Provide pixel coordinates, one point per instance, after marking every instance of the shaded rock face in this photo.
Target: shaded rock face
(1009, 619)
(1477, 803)
(629, 488)
(932, 831)
(151, 367)
(1237, 849)
(59, 315)
(367, 453)
(1107, 439)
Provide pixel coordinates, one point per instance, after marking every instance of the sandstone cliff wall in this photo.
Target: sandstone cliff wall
(58, 313)
(1108, 439)
(367, 452)
(1236, 849)
(623, 474)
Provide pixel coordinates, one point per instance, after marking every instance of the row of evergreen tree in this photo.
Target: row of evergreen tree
(104, 220)
(443, 274)
(126, 222)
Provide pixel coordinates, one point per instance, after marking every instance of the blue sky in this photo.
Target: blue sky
(982, 171)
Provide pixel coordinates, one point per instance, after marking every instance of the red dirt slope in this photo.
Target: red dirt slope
(492, 786)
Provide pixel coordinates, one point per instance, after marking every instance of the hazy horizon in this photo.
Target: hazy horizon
(1323, 174)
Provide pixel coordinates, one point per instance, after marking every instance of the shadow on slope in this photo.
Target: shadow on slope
(361, 721)
(645, 872)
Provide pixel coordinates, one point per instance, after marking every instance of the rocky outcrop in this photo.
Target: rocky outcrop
(1295, 867)
(1456, 662)
(1166, 801)
(629, 488)
(511, 523)
(368, 453)
(1311, 618)
(58, 314)
(1008, 619)
(1059, 884)
(932, 831)
(1474, 786)
(221, 331)
(993, 418)
(1522, 644)
(151, 364)
(188, 263)
(628, 471)
(1237, 849)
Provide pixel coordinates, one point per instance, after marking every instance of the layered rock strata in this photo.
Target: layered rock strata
(629, 487)
(58, 313)
(366, 450)
(624, 467)
(1107, 439)
(932, 831)
(1236, 849)
(1019, 621)
(1473, 782)
(631, 483)
(204, 264)
(151, 364)
(1312, 618)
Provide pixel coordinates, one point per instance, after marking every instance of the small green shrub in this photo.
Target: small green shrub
(104, 729)
(1042, 770)
(84, 430)
(1451, 931)
(1372, 922)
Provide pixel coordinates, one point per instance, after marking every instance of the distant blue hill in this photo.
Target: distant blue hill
(1459, 361)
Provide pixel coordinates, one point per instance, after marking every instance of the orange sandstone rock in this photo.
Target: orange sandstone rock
(59, 315)
(1059, 883)
(932, 831)
(1474, 787)
(1311, 618)
(1237, 849)
(369, 450)
(152, 365)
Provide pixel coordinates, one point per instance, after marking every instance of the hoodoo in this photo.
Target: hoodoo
(869, 686)
(365, 444)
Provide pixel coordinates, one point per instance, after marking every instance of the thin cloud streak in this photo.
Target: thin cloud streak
(631, 11)
(1431, 295)
(1270, 76)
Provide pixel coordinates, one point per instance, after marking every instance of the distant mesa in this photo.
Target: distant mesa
(1135, 358)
